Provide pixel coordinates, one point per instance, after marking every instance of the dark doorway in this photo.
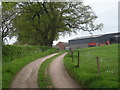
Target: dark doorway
(113, 40)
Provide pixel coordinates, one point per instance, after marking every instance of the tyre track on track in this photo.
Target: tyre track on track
(27, 77)
(59, 76)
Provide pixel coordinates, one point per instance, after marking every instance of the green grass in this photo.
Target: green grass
(86, 75)
(10, 69)
(43, 77)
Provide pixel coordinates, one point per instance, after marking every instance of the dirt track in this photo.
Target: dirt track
(59, 76)
(27, 77)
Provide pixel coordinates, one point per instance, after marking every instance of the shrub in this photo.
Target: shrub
(13, 52)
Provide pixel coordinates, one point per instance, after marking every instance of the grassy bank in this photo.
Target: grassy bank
(12, 66)
(86, 75)
(43, 77)
(13, 52)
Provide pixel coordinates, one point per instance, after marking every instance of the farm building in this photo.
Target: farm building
(83, 42)
(62, 45)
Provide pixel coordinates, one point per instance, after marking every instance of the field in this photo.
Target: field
(87, 74)
(16, 57)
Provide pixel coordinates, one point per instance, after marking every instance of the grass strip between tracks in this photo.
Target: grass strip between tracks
(43, 77)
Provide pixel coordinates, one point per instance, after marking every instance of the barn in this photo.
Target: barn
(61, 45)
(82, 42)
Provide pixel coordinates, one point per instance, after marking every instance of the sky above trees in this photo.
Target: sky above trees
(107, 12)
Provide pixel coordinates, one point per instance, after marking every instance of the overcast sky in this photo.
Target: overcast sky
(107, 12)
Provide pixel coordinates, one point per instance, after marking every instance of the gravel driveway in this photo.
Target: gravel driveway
(27, 77)
(59, 77)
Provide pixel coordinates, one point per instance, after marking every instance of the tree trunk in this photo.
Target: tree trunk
(49, 43)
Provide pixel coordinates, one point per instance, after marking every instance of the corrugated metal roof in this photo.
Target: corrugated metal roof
(93, 36)
(86, 37)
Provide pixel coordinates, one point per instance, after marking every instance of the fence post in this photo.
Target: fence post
(71, 51)
(78, 59)
(72, 57)
(98, 65)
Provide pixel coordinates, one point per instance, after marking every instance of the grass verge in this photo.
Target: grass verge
(10, 69)
(43, 77)
(86, 75)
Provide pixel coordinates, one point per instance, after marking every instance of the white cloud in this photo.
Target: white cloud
(107, 12)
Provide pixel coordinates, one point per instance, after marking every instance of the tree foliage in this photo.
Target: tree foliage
(41, 23)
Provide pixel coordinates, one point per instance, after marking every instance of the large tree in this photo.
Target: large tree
(42, 22)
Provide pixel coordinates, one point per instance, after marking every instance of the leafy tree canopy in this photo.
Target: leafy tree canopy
(41, 23)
